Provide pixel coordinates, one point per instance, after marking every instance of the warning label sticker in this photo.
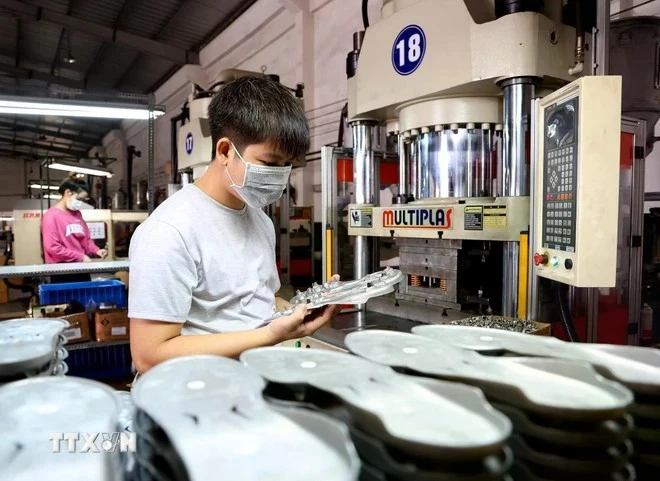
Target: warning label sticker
(361, 218)
(473, 217)
(494, 216)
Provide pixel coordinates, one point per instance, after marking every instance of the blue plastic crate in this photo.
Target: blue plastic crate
(109, 292)
(102, 361)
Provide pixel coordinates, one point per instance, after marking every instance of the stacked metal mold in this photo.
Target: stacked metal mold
(569, 422)
(636, 368)
(404, 428)
(204, 417)
(53, 429)
(32, 348)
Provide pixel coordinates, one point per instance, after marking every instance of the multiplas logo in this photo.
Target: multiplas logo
(93, 442)
(418, 218)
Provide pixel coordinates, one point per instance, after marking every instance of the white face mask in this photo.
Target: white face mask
(262, 185)
(72, 203)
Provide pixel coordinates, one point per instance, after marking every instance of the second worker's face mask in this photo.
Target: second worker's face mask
(73, 203)
(262, 185)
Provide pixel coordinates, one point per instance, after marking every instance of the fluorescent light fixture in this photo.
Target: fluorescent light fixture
(52, 196)
(43, 187)
(81, 168)
(6, 219)
(75, 108)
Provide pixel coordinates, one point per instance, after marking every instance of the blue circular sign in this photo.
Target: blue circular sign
(408, 50)
(189, 143)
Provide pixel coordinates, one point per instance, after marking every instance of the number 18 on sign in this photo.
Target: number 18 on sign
(408, 50)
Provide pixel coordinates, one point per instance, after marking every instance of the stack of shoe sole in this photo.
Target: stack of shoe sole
(125, 426)
(32, 348)
(637, 368)
(403, 428)
(569, 423)
(204, 417)
(52, 429)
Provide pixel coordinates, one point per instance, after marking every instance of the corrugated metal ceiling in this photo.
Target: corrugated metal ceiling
(32, 52)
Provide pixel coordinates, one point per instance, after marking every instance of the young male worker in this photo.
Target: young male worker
(203, 274)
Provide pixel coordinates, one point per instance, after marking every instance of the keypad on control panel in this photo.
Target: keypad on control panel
(559, 202)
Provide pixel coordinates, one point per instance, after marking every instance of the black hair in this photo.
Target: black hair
(74, 184)
(255, 109)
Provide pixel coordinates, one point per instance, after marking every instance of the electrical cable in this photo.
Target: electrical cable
(565, 313)
(342, 118)
(365, 13)
(632, 8)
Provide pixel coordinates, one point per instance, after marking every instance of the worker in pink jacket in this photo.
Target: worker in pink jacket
(65, 234)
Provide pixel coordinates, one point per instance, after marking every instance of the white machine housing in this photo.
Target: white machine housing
(456, 80)
(194, 143)
(577, 184)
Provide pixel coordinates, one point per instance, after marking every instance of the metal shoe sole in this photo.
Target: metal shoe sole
(644, 355)
(345, 292)
(213, 413)
(32, 409)
(393, 462)
(549, 386)
(601, 434)
(647, 411)
(28, 344)
(529, 472)
(332, 292)
(642, 377)
(601, 467)
(55, 367)
(391, 406)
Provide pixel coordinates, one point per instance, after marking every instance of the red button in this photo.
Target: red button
(540, 259)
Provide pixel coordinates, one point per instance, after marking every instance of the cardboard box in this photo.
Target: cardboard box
(78, 330)
(4, 293)
(111, 325)
(55, 310)
(542, 329)
(4, 290)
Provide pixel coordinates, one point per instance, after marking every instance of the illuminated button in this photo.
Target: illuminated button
(540, 259)
(297, 344)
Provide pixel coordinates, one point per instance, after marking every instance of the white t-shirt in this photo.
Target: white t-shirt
(197, 262)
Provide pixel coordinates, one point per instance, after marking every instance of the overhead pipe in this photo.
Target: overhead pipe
(132, 152)
(174, 152)
(103, 196)
(578, 68)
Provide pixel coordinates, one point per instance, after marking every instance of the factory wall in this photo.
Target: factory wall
(299, 47)
(13, 180)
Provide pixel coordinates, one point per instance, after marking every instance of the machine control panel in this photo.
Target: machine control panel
(577, 182)
(560, 157)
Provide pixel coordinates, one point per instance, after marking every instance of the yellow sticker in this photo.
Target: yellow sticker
(494, 216)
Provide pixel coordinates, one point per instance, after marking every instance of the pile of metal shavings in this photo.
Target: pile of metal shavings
(498, 322)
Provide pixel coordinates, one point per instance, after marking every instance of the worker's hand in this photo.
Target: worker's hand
(86, 259)
(281, 304)
(302, 322)
(102, 253)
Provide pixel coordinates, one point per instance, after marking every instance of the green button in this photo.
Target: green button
(554, 262)
(297, 344)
